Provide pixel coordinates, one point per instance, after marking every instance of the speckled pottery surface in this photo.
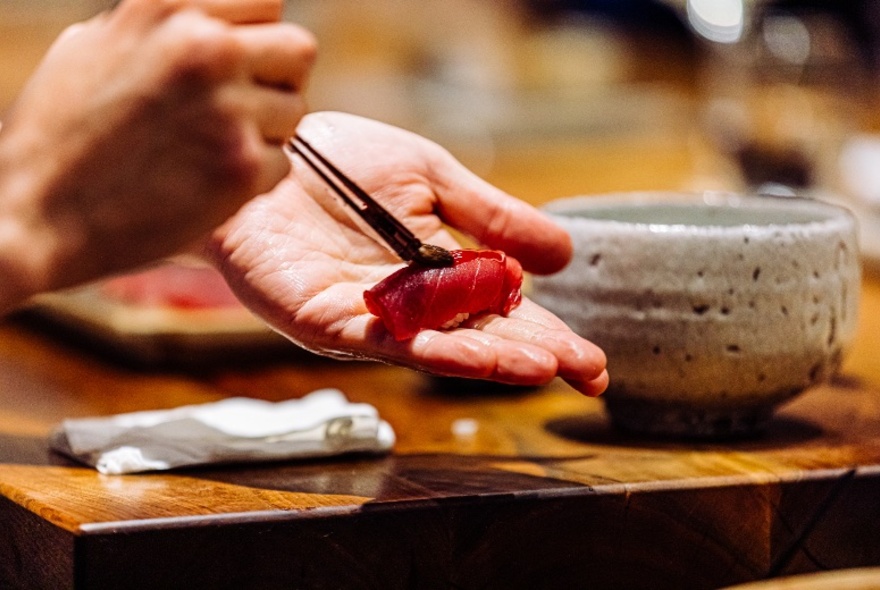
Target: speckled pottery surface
(712, 308)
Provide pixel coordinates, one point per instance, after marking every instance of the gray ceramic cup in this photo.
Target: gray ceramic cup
(713, 308)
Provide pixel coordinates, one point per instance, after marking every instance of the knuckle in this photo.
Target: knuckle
(203, 48)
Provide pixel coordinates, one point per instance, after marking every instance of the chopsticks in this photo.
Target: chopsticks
(389, 228)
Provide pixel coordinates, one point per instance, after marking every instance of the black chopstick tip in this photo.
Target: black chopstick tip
(433, 256)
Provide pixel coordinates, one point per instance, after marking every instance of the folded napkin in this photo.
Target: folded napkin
(321, 424)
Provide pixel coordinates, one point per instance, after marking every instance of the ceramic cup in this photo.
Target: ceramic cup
(713, 309)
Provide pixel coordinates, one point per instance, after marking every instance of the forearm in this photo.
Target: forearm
(24, 245)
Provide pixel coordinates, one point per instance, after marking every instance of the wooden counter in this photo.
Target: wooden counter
(543, 495)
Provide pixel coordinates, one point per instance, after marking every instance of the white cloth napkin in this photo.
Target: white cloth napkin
(321, 424)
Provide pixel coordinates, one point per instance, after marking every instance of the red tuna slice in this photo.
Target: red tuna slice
(418, 297)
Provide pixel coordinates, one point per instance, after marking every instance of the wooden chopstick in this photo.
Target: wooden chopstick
(389, 228)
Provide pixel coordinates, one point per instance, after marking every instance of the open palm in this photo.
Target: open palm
(296, 258)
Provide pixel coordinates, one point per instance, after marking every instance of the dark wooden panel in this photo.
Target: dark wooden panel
(649, 540)
(845, 534)
(35, 553)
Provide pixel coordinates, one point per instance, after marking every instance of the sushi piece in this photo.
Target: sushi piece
(418, 297)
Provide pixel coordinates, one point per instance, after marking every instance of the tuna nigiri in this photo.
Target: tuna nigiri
(418, 297)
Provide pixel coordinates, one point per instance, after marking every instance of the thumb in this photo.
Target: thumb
(501, 221)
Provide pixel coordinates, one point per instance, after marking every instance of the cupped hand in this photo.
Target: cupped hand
(146, 127)
(295, 258)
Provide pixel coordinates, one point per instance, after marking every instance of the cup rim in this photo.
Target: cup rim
(826, 213)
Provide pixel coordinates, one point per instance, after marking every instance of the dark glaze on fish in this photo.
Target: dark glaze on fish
(433, 256)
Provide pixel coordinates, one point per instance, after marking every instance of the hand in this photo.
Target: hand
(295, 258)
(142, 130)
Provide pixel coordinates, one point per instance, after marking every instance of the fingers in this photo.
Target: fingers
(501, 221)
(511, 350)
(481, 354)
(276, 59)
(275, 113)
(240, 11)
(591, 388)
(478, 355)
(579, 361)
(232, 11)
(278, 55)
(263, 67)
(279, 58)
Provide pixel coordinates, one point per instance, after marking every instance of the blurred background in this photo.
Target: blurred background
(549, 98)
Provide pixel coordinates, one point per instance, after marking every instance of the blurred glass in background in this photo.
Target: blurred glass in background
(788, 96)
(785, 83)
